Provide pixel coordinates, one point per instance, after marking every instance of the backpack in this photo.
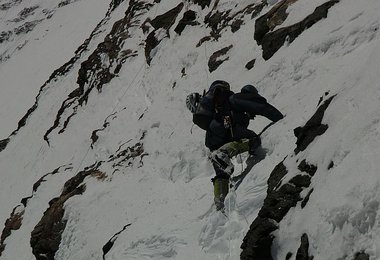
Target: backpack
(218, 92)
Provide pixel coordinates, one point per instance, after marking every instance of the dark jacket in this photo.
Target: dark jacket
(240, 107)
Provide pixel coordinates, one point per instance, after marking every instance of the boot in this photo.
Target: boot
(222, 162)
(221, 186)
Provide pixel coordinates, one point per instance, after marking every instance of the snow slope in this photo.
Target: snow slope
(28, 58)
(150, 193)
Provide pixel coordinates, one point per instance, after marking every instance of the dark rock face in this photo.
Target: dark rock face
(313, 128)
(276, 176)
(124, 158)
(308, 168)
(361, 256)
(306, 199)
(3, 144)
(7, 6)
(258, 241)
(271, 42)
(108, 246)
(5, 36)
(281, 197)
(187, 19)
(301, 181)
(276, 16)
(204, 39)
(46, 236)
(36, 185)
(22, 29)
(250, 64)
(331, 165)
(25, 13)
(151, 42)
(235, 26)
(202, 3)
(303, 250)
(214, 61)
(218, 21)
(94, 134)
(167, 19)
(26, 27)
(14, 222)
(164, 21)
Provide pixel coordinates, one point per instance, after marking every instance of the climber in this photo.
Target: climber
(225, 117)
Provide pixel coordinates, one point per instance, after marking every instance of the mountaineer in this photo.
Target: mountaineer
(225, 116)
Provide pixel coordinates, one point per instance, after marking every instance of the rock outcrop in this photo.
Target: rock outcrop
(276, 16)
(361, 256)
(281, 197)
(313, 128)
(164, 21)
(61, 71)
(46, 236)
(188, 19)
(216, 59)
(102, 65)
(14, 222)
(272, 40)
(303, 250)
(3, 144)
